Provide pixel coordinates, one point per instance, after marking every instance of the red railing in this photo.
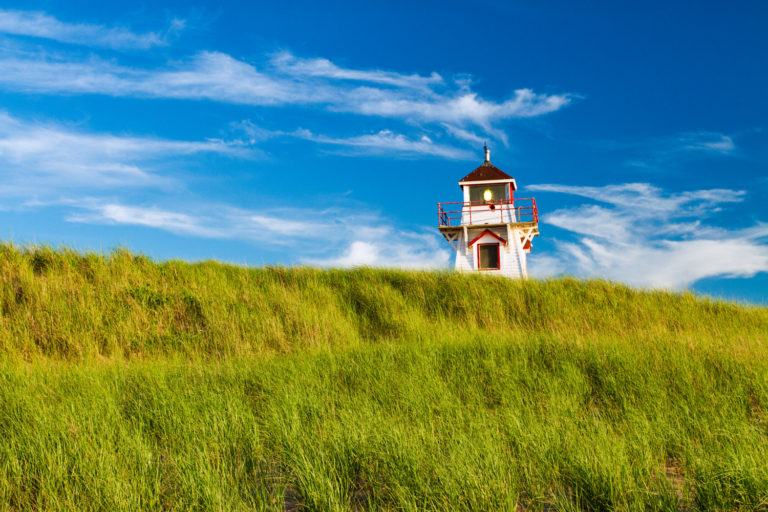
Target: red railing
(451, 214)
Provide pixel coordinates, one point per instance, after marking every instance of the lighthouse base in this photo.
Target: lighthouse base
(493, 249)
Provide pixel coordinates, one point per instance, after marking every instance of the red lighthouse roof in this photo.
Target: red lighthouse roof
(486, 172)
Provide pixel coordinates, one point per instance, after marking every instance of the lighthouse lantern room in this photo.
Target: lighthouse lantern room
(490, 229)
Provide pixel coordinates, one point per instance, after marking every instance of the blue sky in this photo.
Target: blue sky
(324, 133)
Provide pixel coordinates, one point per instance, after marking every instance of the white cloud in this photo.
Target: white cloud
(660, 154)
(39, 24)
(281, 224)
(379, 143)
(644, 199)
(219, 77)
(209, 76)
(174, 222)
(406, 253)
(388, 142)
(643, 236)
(463, 107)
(36, 156)
(338, 237)
(40, 161)
(289, 64)
(708, 142)
(463, 134)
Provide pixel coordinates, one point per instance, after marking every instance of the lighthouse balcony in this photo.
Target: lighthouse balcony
(459, 215)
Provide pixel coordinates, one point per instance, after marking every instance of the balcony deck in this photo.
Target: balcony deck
(522, 225)
(488, 213)
(518, 214)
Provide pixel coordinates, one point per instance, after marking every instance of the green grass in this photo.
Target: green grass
(127, 384)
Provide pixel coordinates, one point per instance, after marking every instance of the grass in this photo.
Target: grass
(127, 384)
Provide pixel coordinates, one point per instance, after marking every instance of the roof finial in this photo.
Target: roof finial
(487, 153)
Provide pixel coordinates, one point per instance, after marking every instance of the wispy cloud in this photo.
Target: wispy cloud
(39, 156)
(710, 142)
(175, 222)
(219, 77)
(289, 64)
(646, 200)
(462, 134)
(663, 153)
(387, 142)
(679, 145)
(338, 237)
(405, 250)
(42, 25)
(383, 142)
(641, 235)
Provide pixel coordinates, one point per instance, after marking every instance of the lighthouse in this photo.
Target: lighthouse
(490, 230)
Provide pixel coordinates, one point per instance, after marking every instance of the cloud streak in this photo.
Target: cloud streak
(39, 157)
(215, 76)
(708, 142)
(335, 237)
(643, 236)
(383, 142)
(287, 63)
(387, 142)
(42, 25)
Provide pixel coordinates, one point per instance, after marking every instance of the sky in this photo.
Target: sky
(324, 133)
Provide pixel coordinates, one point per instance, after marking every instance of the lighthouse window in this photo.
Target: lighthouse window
(487, 193)
(488, 256)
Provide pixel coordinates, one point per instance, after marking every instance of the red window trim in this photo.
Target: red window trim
(498, 257)
(487, 232)
(508, 190)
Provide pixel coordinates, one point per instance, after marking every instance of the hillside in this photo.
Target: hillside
(128, 384)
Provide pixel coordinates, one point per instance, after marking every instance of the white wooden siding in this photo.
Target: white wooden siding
(512, 258)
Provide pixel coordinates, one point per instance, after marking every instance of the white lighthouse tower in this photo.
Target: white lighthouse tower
(490, 229)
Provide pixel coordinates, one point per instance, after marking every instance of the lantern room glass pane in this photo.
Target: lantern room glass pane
(489, 256)
(488, 193)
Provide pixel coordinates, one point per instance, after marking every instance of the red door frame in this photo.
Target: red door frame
(498, 257)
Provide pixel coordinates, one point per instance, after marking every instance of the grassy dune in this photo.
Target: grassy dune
(127, 384)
